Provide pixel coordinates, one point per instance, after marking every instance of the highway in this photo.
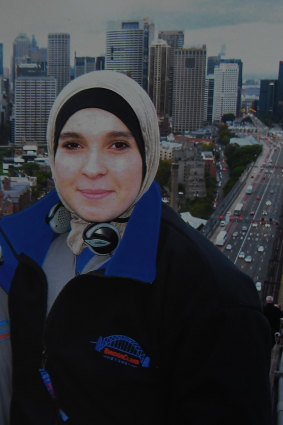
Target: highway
(258, 222)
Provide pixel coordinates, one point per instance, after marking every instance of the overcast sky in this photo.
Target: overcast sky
(251, 30)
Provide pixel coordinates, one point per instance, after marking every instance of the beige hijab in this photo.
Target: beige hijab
(144, 109)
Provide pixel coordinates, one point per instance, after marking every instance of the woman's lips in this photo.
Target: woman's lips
(95, 194)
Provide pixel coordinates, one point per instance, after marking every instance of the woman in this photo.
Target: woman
(121, 313)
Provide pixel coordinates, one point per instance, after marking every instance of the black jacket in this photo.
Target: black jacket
(189, 348)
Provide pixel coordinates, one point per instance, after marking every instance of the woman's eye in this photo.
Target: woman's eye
(71, 145)
(120, 145)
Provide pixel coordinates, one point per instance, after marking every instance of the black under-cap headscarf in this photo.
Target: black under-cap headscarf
(103, 99)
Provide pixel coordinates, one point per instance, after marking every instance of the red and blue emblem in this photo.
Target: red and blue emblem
(122, 349)
(4, 329)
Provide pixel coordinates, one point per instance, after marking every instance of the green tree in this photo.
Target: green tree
(30, 168)
(163, 176)
(224, 134)
(228, 117)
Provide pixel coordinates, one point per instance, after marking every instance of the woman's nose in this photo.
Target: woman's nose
(94, 164)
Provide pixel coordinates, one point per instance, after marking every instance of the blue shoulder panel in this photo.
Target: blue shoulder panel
(28, 232)
(136, 253)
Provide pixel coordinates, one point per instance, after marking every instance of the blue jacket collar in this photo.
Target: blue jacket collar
(135, 256)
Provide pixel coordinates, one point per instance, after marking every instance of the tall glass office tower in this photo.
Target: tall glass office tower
(1, 59)
(59, 58)
(127, 48)
(188, 89)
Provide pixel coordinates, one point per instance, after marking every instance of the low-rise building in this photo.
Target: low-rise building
(15, 194)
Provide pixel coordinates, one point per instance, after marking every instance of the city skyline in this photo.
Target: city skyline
(251, 30)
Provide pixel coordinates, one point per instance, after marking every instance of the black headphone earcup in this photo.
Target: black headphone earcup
(59, 218)
(102, 238)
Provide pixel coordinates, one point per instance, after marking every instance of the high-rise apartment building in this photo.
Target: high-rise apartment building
(100, 63)
(38, 55)
(1, 59)
(240, 82)
(127, 48)
(21, 52)
(279, 111)
(225, 97)
(212, 62)
(83, 65)
(4, 99)
(209, 92)
(34, 97)
(268, 98)
(188, 89)
(175, 39)
(158, 82)
(59, 58)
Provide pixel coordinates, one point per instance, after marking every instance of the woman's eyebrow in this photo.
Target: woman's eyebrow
(75, 135)
(126, 134)
(70, 134)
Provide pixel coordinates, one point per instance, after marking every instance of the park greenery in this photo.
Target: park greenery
(238, 158)
(224, 134)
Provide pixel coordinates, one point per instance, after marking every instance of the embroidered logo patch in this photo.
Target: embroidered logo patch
(122, 349)
(4, 329)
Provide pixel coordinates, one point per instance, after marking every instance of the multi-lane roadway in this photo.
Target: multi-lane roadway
(250, 235)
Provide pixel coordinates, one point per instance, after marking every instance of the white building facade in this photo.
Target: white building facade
(225, 96)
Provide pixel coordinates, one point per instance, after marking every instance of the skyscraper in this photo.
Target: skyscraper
(59, 58)
(83, 65)
(158, 82)
(100, 63)
(127, 48)
(268, 100)
(240, 81)
(175, 39)
(34, 97)
(188, 88)
(1, 59)
(21, 53)
(209, 91)
(225, 97)
(212, 62)
(280, 92)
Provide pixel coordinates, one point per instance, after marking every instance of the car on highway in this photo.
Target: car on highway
(222, 223)
(252, 213)
(248, 259)
(268, 203)
(258, 198)
(242, 254)
(228, 247)
(267, 225)
(260, 248)
(235, 234)
(264, 212)
(244, 228)
(258, 286)
(254, 224)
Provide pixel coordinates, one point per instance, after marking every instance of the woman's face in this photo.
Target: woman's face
(98, 166)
